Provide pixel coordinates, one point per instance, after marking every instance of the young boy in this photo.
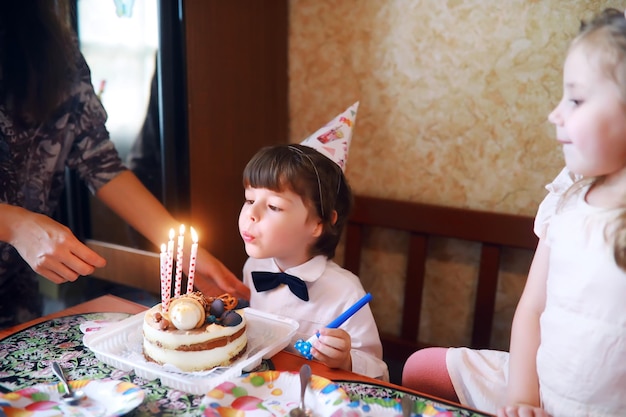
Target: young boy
(297, 201)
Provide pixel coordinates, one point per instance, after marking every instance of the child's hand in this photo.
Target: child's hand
(333, 348)
(522, 411)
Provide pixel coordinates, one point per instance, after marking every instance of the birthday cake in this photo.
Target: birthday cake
(194, 332)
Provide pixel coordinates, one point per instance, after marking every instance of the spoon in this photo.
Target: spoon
(407, 406)
(70, 397)
(305, 378)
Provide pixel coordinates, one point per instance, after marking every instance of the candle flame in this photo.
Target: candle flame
(194, 235)
(162, 247)
(172, 233)
(181, 230)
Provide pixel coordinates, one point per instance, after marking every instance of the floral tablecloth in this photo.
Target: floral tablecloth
(25, 359)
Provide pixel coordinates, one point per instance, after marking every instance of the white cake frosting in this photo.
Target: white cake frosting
(168, 340)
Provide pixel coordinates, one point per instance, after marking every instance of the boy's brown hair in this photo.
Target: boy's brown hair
(314, 177)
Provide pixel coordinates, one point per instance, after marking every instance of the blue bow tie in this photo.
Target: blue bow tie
(265, 281)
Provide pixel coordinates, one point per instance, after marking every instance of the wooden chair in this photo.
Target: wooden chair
(494, 231)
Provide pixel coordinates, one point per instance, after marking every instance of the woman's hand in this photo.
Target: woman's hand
(522, 410)
(213, 278)
(50, 248)
(333, 348)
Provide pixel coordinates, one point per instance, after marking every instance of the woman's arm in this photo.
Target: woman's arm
(132, 201)
(523, 385)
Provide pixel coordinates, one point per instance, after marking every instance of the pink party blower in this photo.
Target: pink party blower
(304, 346)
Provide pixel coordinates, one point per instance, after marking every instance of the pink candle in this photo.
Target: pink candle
(179, 261)
(165, 293)
(192, 260)
(170, 256)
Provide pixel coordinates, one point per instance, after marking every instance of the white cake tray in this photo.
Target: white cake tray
(120, 345)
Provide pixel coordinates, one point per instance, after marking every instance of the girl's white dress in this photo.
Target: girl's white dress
(581, 361)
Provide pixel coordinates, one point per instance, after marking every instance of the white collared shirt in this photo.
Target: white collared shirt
(332, 290)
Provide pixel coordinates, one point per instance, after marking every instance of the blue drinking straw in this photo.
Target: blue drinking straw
(304, 347)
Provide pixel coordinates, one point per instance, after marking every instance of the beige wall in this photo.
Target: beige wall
(454, 102)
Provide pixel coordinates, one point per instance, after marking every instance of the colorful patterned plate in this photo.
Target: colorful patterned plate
(375, 400)
(103, 398)
(274, 393)
(391, 408)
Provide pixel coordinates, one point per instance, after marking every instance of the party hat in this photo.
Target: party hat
(333, 140)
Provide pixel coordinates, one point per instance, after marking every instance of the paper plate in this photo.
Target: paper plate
(376, 400)
(104, 320)
(103, 398)
(274, 393)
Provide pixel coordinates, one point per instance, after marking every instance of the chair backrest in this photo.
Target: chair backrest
(127, 266)
(494, 231)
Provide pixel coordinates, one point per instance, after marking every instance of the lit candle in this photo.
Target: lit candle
(192, 260)
(165, 282)
(179, 261)
(170, 255)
